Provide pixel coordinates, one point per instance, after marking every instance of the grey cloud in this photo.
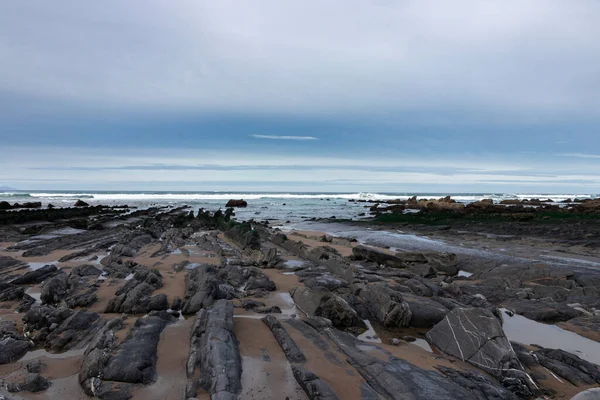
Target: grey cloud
(521, 57)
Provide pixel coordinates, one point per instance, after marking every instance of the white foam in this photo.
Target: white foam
(464, 273)
(129, 277)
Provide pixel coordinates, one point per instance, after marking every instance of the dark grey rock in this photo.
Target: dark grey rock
(385, 305)
(314, 387)
(55, 289)
(78, 328)
(214, 349)
(569, 366)
(321, 302)
(12, 349)
(36, 276)
(372, 254)
(475, 335)
(201, 289)
(33, 382)
(10, 292)
(425, 312)
(260, 282)
(287, 344)
(482, 387)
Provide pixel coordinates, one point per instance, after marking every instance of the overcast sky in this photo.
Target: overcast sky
(336, 95)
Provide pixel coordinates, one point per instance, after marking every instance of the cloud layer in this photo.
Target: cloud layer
(538, 57)
(319, 94)
(274, 137)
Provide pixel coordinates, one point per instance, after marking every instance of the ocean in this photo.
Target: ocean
(293, 207)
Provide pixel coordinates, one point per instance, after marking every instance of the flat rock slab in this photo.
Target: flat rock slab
(475, 335)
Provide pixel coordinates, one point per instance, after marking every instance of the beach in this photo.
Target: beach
(166, 298)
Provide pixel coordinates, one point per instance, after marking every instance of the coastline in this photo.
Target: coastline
(132, 265)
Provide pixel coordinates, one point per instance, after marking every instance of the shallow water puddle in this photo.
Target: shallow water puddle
(43, 353)
(33, 292)
(422, 343)
(293, 264)
(526, 331)
(37, 265)
(369, 336)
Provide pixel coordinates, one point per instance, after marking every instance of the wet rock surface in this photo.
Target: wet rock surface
(184, 304)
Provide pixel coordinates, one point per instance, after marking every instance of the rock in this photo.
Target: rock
(176, 305)
(201, 289)
(80, 203)
(314, 387)
(244, 236)
(134, 360)
(12, 349)
(590, 394)
(475, 335)
(268, 310)
(135, 296)
(261, 282)
(10, 292)
(424, 270)
(287, 344)
(36, 276)
(543, 310)
(55, 289)
(425, 313)
(361, 252)
(32, 383)
(569, 366)
(385, 305)
(248, 304)
(409, 338)
(214, 349)
(79, 327)
(479, 385)
(236, 203)
(321, 302)
(35, 366)
(396, 342)
(396, 378)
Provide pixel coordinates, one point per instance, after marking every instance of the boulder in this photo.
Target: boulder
(384, 304)
(320, 302)
(12, 349)
(80, 203)
(55, 289)
(475, 335)
(425, 312)
(236, 203)
(33, 382)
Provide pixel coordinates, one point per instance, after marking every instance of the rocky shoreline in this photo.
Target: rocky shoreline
(175, 303)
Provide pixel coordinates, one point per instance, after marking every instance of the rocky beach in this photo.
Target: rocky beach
(409, 299)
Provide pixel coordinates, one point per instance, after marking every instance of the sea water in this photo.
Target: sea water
(294, 207)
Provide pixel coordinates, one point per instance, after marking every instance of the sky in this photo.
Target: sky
(318, 95)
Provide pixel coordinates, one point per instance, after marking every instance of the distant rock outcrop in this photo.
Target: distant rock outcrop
(236, 203)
